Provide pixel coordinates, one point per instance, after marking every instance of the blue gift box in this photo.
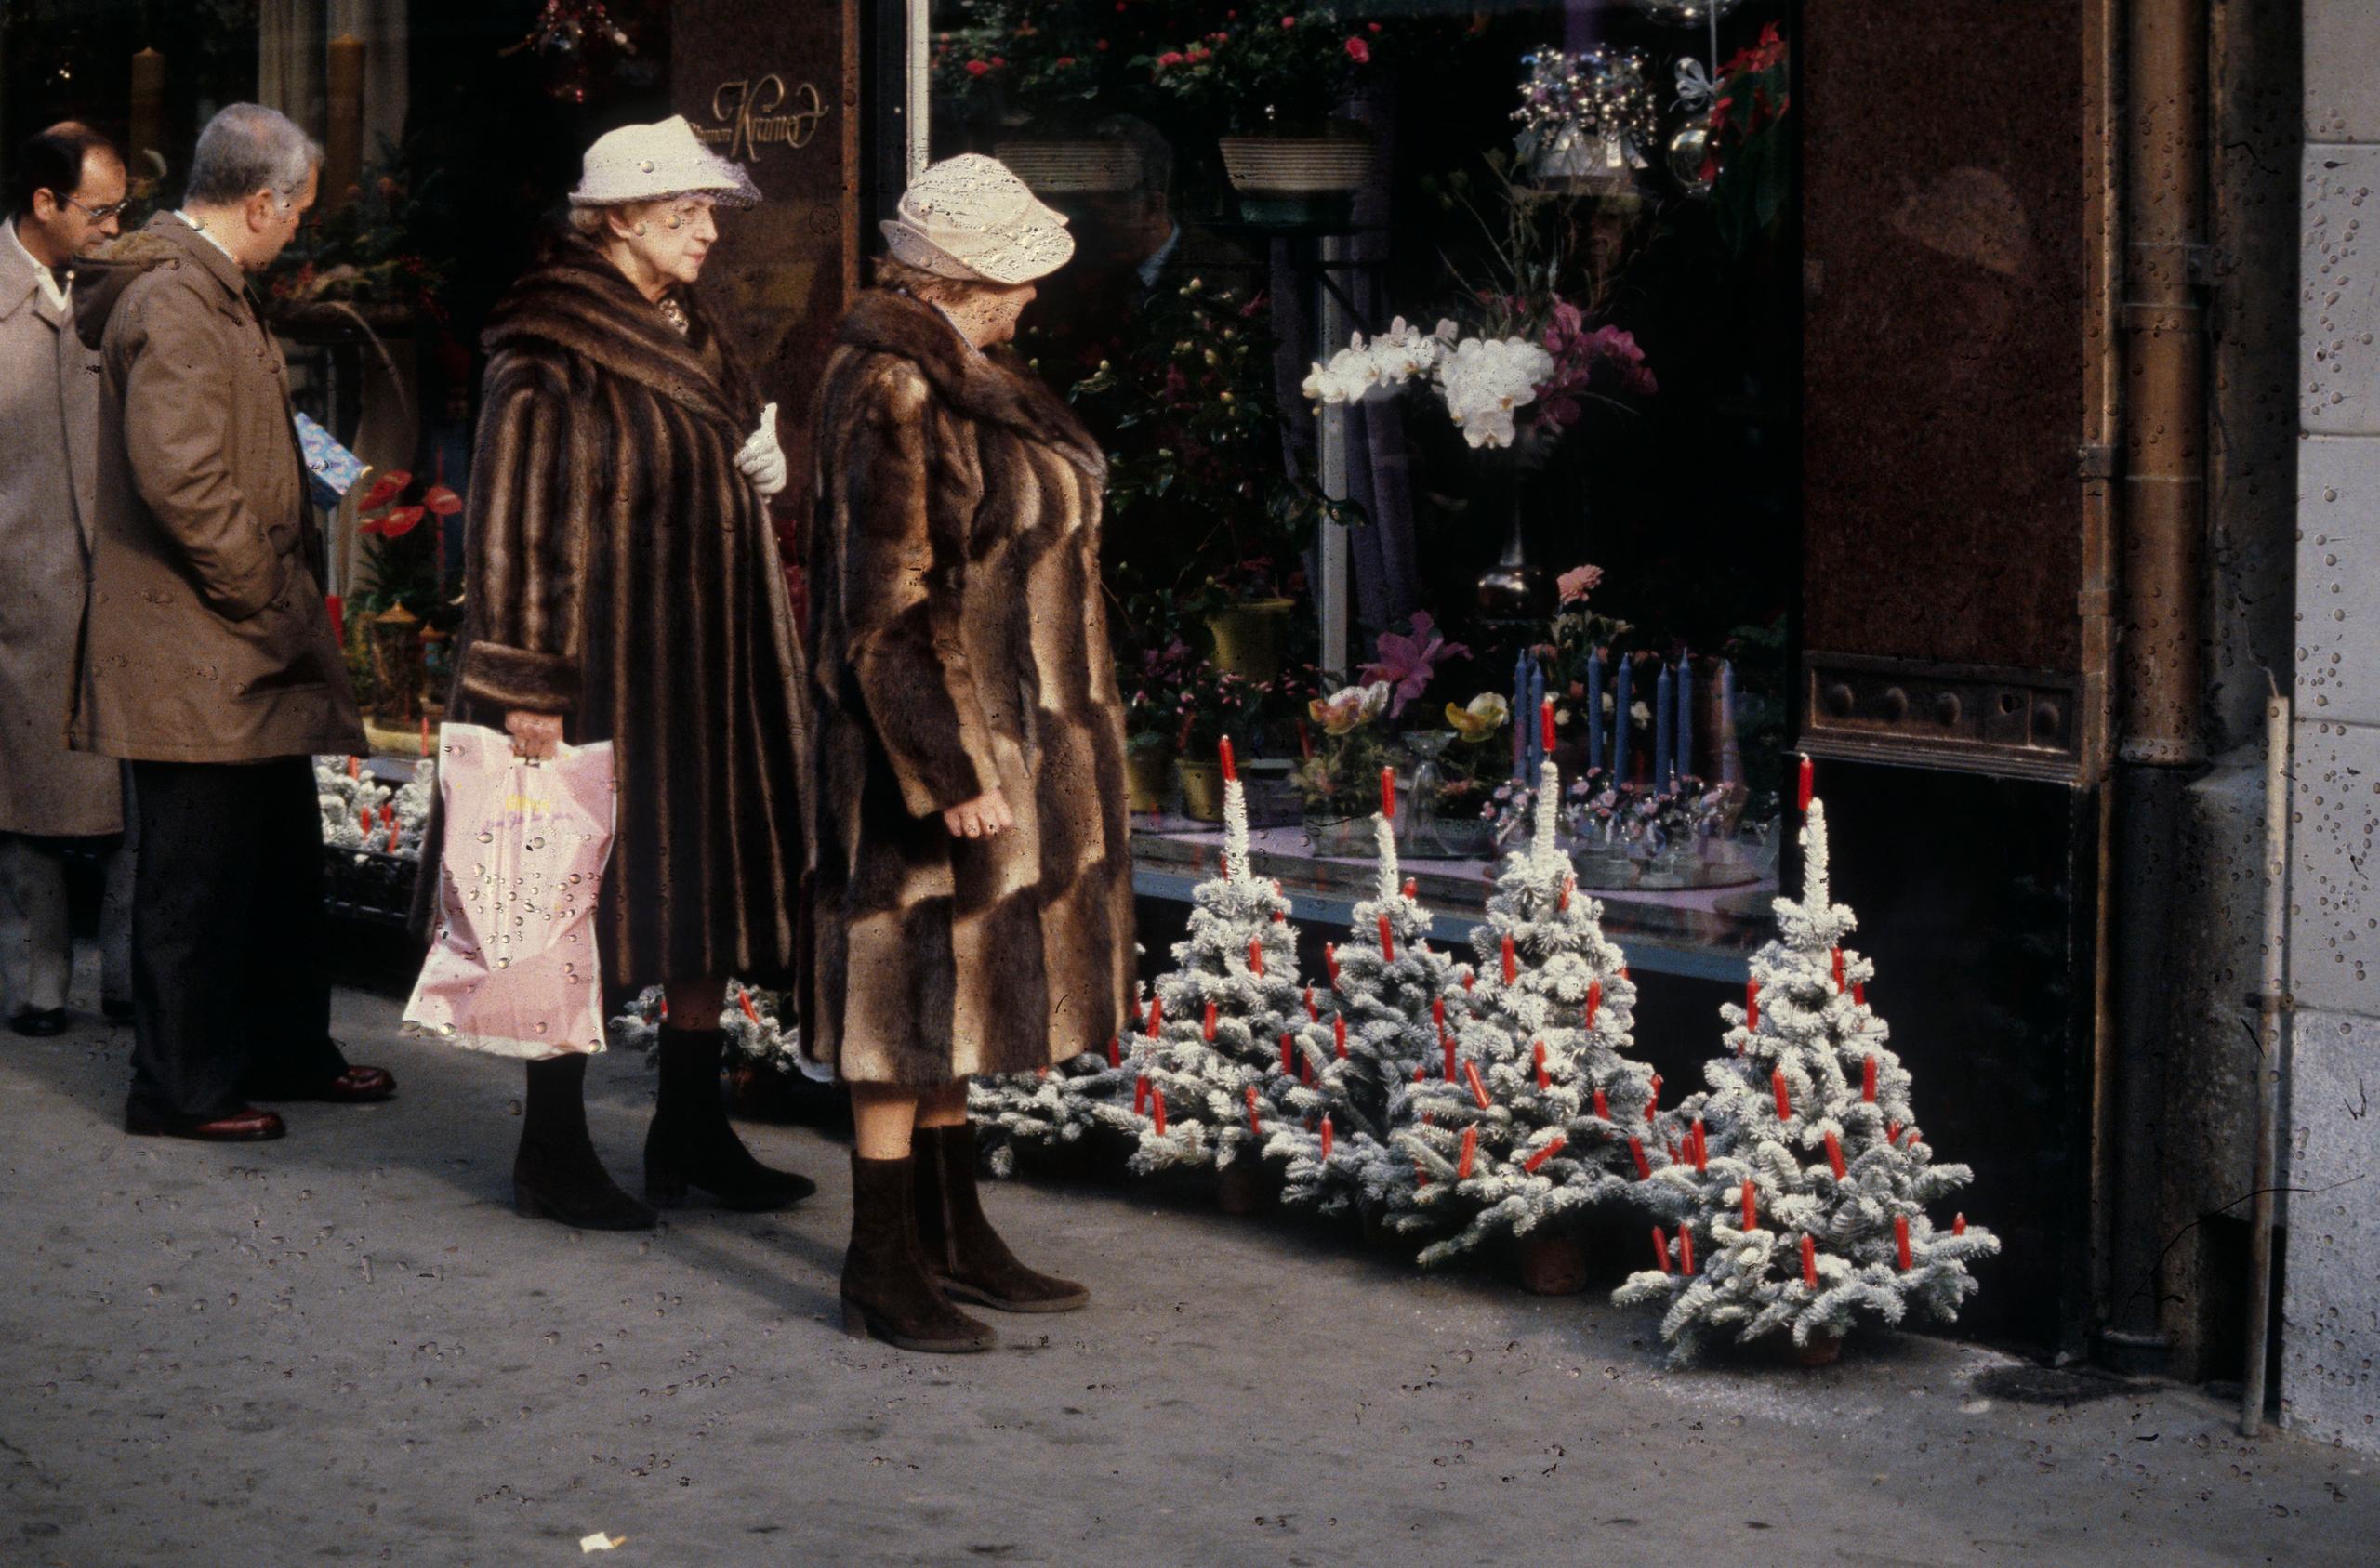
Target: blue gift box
(331, 470)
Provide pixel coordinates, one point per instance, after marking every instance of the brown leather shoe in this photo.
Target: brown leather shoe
(247, 1125)
(357, 1086)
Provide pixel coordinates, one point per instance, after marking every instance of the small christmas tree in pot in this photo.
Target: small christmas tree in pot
(1057, 1115)
(1813, 1211)
(1206, 1064)
(1534, 1115)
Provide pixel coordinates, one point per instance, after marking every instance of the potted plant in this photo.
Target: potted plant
(1469, 763)
(359, 273)
(1035, 74)
(1337, 774)
(404, 609)
(1211, 706)
(1246, 610)
(1274, 80)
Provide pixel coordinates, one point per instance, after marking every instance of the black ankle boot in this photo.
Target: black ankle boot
(556, 1175)
(887, 1292)
(691, 1143)
(961, 1249)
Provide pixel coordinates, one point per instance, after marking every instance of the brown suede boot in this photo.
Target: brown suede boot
(887, 1292)
(960, 1246)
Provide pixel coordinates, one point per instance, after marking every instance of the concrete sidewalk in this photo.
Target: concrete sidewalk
(343, 1346)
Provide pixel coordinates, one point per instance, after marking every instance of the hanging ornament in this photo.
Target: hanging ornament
(1686, 13)
(1689, 160)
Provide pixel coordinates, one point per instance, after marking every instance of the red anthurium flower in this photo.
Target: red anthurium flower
(397, 525)
(442, 501)
(385, 489)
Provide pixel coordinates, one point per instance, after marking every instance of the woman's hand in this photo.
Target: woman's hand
(535, 735)
(986, 816)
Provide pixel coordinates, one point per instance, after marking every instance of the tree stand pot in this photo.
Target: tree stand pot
(1148, 777)
(1245, 1186)
(1202, 790)
(1251, 638)
(1553, 1265)
(1821, 1350)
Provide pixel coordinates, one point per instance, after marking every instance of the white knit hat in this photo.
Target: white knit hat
(647, 162)
(969, 217)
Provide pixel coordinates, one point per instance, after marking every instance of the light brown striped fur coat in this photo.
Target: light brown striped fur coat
(958, 641)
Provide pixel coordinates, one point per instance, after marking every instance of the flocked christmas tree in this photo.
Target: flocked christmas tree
(1057, 1106)
(1813, 1211)
(1533, 1114)
(1389, 1006)
(752, 1020)
(1210, 1061)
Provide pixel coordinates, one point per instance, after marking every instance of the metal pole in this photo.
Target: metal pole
(1331, 541)
(2272, 1044)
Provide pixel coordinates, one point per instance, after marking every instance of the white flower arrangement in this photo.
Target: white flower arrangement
(1482, 380)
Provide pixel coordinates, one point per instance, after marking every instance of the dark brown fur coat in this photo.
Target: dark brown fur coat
(959, 642)
(624, 575)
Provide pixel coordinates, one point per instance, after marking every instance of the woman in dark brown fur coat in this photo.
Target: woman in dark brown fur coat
(624, 584)
(971, 893)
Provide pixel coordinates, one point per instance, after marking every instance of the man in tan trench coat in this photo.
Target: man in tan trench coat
(65, 187)
(207, 661)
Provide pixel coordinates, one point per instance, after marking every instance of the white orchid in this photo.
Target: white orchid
(1349, 707)
(1482, 380)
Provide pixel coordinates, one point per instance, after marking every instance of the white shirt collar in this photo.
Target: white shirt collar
(211, 239)
(47, 280)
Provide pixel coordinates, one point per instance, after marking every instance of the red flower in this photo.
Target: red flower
(397, 525)
(1288, 21)
(999, 63)
(1170, 57)
(442, 501)
(977, 68)
(387, 488)
(1197, 54)
(1360, 51)
(1373, 26)
(1065, 60)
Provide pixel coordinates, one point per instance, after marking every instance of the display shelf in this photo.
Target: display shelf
(1707, 933)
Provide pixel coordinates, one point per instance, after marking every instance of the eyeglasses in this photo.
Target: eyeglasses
(100, 215)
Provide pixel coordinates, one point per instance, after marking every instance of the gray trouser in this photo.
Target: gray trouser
(36, 950)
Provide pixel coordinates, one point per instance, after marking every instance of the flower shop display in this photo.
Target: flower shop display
(1586, 119)
(1343, 749)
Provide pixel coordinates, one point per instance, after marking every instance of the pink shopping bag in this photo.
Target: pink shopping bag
(513, 968)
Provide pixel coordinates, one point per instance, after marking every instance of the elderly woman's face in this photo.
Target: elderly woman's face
(672, 237)
(998, 306)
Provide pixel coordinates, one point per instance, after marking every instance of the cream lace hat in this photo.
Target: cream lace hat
(969, 217)
(646, 163)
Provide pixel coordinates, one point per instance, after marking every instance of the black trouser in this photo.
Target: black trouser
(230, 993)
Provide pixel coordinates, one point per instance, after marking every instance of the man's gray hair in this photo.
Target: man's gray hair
(245, 149)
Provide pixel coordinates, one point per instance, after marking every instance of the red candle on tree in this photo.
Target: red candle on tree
(1859, 992)
(1326, 1135)
(1554, 1146)
(1254, 1127)
(1784, 1106)
(1156, 1097)
(1445, 1049)
(1438, 1012)
(1470, 1147)
(364, 823)
(1388, 792)
(1685, 1252)
(1043, 1072)
(1157, 1015)
(1339, 1034)
(1115, 1051)
(665, 1008)
(355, 767)
(1562, 905)
(1807, 787)
(1752, 1216)
(1701, 1147)
(1420, 1076)
(1809, 1247)
(1594, 1001)
(1752, 1004)
(1256, 956)
(744, 1001)
(388, 812)
(395, 834)
(1838, 968)
(1141, 1095)
(1834, 1155)
(1867, 1080)
(1636, 1153)
(1466, 977)
(1305, 1070)
(1654, 1099)
(1900, 1240)
(1661, 1249)
(1411, 886)
(1602, 1109)
(1231, 769)
(1959, 1223)
(1545, 723)
(1288, 1053)
(1206, 1025)
(1330, 960)
(1537, 1059)
(1892, 1134)
(1478, 1089)
(1312, 1012)
(1512, 965)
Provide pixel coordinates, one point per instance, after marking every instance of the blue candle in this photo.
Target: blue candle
(1595, 708)
(1685, 758)
(1620, 722)
(1520, 711)
(1662, 730)
(1529, 716)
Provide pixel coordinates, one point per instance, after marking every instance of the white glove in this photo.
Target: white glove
(760, 459)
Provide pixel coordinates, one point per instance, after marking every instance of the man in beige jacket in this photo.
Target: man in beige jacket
(207, 660)
(66, 187)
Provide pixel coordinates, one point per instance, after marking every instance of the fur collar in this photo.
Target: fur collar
(577, 302)
(996, 388)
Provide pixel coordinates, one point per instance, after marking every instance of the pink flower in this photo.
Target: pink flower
(1626, 355)
(1408, 663)
(977, 68)
(1288, 21)
(1360, 51)
(1170, 57)
(1065, 60)
(1579, 582)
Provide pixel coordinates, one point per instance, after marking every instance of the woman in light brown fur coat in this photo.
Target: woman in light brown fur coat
(970, 895)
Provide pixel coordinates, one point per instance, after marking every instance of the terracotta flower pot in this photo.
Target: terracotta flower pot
(1148, 777)
(1553, 1265)
(1202, 790)
(1251, 638)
